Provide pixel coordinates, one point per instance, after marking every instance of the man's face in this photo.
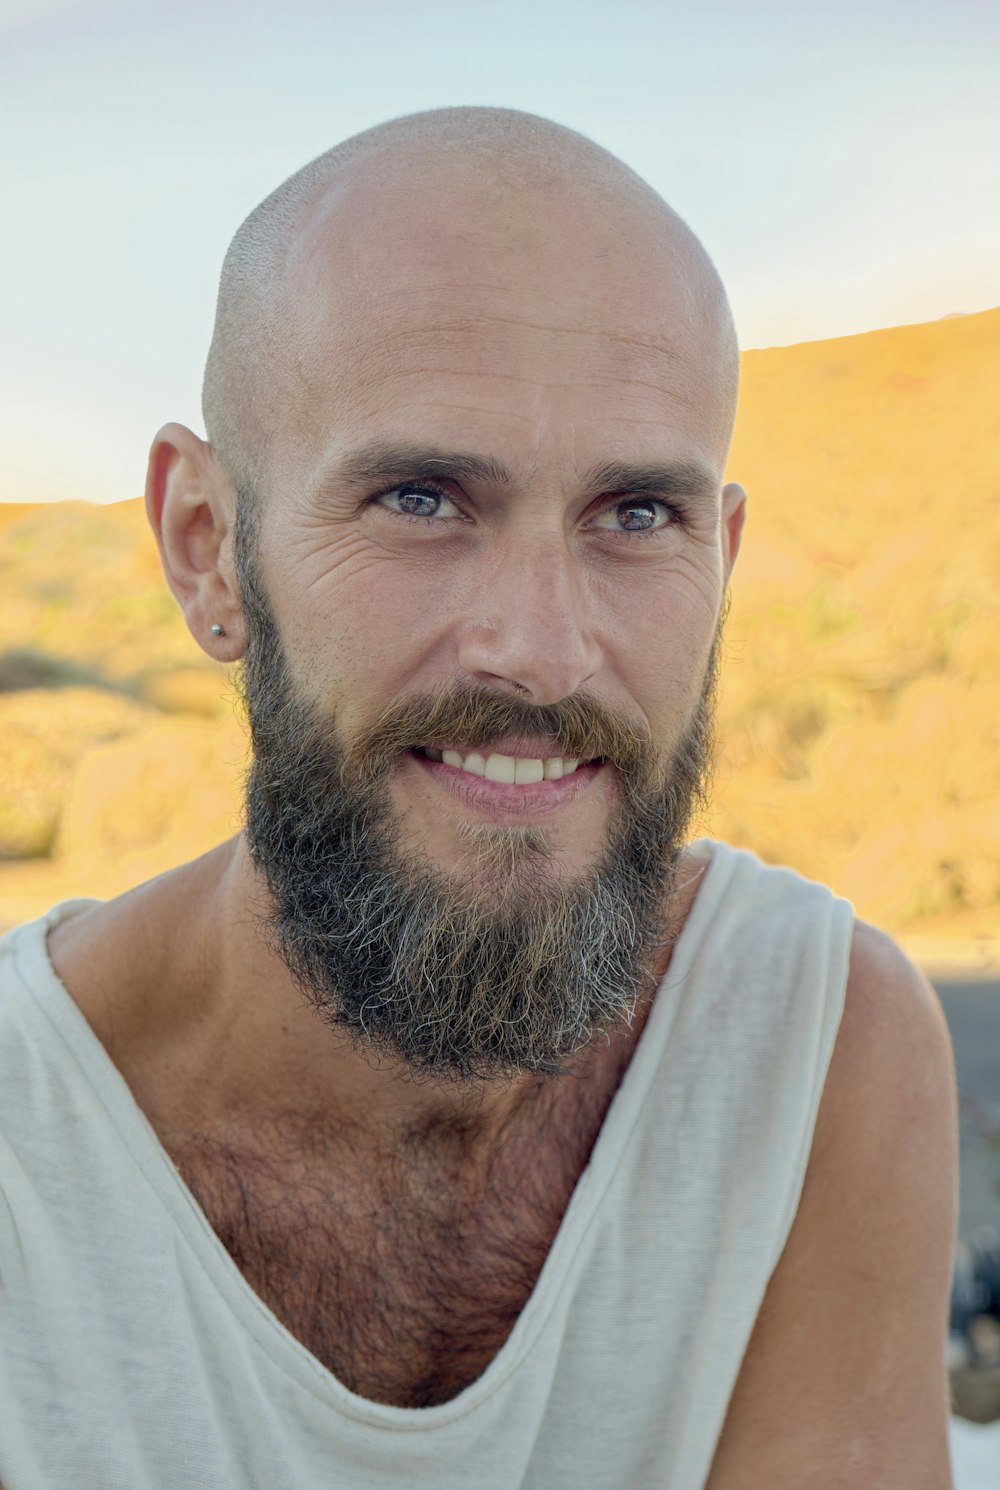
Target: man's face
(493, 507)
(497, 461)
(498, 968)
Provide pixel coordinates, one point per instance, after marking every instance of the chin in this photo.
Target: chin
(496, 857)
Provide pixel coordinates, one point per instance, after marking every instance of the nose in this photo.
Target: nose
(536, 632)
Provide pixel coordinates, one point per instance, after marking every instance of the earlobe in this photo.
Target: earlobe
(191, 507)
(734, 511)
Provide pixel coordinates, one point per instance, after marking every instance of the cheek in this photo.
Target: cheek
(664, 632)
(358, 627)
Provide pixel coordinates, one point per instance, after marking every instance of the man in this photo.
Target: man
(591, 1157)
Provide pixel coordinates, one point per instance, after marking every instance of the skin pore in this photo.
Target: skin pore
(470, 365)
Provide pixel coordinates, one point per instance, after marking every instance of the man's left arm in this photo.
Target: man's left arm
(843, 1386)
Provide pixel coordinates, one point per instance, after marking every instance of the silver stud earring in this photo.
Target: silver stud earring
(218, 630)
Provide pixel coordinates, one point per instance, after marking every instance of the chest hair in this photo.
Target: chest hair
(403, 1275)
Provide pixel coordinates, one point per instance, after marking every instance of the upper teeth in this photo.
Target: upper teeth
(516, 770)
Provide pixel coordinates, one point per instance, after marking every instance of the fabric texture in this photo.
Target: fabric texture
(135, 1356)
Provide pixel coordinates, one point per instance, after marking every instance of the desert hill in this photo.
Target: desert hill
(860, 717)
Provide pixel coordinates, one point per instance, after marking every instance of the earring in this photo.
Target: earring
(218, 630)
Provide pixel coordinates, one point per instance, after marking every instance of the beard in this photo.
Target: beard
(507, 969)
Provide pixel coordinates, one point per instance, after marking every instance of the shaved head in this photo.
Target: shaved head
(473, 382)
(516, 195)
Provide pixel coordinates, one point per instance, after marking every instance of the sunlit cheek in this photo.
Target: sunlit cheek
(663, 651)
(361, 638)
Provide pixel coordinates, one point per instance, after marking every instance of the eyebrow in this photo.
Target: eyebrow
(382, 463)
(681, 478)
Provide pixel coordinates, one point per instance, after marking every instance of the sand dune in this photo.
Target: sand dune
(860, 718)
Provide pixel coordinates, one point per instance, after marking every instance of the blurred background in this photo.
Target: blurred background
(841, 163)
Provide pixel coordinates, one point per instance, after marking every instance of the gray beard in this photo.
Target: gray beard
(504, 970)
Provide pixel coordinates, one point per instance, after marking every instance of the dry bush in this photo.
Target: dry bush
(860, 711)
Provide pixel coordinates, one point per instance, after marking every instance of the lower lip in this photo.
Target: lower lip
(505, 800)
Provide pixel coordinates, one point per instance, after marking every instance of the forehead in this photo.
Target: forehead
(459, 315)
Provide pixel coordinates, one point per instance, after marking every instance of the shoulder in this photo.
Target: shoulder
(843, 1382)
(883, 1167)
(890, 1001)
(883, 985)
(892, 1062)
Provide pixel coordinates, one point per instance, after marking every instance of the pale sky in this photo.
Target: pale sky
(839, 158)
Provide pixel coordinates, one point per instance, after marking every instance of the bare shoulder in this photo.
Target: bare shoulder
(843, 1383)
(892, 1025)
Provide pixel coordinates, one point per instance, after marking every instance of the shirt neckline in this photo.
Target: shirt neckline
(283, 1349)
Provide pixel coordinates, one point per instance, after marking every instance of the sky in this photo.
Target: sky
(841, 162)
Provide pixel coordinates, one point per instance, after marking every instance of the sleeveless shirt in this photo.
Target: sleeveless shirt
(135, 1356)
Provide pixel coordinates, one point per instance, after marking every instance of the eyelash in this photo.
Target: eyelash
(676, 513)
(426, 487)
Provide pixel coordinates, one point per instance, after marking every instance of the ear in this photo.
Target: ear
(191, 504)
(734, 511)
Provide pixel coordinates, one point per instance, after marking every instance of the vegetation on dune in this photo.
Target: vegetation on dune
(860, 712)
(860, 731)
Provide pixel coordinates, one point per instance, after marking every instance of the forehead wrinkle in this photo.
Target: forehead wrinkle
(428, 328)
(431, 310)
(468, 184)
(425, 357)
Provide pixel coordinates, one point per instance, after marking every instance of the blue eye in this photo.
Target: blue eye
(419, 503)
(410, 500)
(635, 515)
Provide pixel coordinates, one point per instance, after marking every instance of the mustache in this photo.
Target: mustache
(581, 727)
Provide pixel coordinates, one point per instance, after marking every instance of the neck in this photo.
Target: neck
(214, 1034)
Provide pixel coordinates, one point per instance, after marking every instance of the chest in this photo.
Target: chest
(405, 1280)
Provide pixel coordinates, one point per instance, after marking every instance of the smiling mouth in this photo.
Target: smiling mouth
(512, 770)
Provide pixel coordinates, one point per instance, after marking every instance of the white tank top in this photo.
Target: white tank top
(134, 1355)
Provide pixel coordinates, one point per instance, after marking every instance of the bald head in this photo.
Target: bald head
(449, 204)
